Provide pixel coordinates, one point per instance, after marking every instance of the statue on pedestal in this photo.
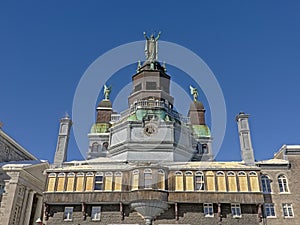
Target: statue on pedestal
(151, 47)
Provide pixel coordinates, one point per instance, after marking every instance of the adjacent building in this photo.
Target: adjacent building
(152, 165)
(22, 183)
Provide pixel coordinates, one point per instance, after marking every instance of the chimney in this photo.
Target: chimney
(245, 139)
(62, 141)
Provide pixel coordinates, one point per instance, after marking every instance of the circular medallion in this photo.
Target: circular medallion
(150, 129)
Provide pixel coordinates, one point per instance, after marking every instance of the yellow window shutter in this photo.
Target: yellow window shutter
(118, 183)
(79, 183)
(221, 183)
(135, 180)
(254, 184)
(108, 181)
(243, 182)
(70, 183)
(51, 184)
(161, 182)
(89, 183)
(189, 181)
(232, 183)
(61, 182)
(178, 181)
(210, 181)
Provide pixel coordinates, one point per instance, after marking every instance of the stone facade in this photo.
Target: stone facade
(151, 165)
(21, 184)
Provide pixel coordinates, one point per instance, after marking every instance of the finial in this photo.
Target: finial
(164, 66)
(106, 91)
(151, 47)
(67, 115)
(194, 92)
(139, 66)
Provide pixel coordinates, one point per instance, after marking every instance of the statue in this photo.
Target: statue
(151, 47)
(106, 91)
(194, 92)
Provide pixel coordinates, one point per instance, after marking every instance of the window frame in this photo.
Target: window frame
(208, 209)
(236, 210)
(96, 213)
(266, 183)
(68, 214)
(200, 182)
(288, 208)
(269, 207)
(99, 182)
(283, 184)
(148, 177)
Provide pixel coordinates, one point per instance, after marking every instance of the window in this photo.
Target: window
(61, 182)
(199, 181)
(51, 182)
(221, 181)
(208, 210)
(150, 85)
(118, 181)
(2, 189)
(70, 181)
(266, 184)
(254, 183)
(236, 210)
(89, 182)
(68, 214)
(161, 179)
(96, 213)
(95, 147)
(135, 180)
(287, 210)
(108, 181)
(98, 182)
(80, 181)
(148, 178)
(178, 181)
(210, 176)
(232, 186)
(138, 87)
(269, 210)
(189, 181)
(283, 183)
(243, 181)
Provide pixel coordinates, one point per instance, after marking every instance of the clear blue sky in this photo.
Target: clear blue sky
(253, 48)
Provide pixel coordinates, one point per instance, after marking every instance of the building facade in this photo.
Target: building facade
(21, 183)
(152, 165)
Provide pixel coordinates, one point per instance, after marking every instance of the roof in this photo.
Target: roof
(16, 145)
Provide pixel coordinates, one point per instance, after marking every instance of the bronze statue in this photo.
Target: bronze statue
(106, 91)
(194, 92)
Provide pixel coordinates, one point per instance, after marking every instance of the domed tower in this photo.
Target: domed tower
(151, 130)
(200, 131)
(99, 134)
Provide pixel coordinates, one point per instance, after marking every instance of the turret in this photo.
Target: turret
(245, 139)
(62, 141)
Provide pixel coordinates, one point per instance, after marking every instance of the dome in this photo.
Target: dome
(196, 105)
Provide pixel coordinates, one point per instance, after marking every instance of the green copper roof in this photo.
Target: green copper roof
(132, 117)
(100, 128)
(201, 130)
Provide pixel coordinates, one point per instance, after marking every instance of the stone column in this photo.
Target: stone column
(39, 206)
(28, 208)
(24, 205)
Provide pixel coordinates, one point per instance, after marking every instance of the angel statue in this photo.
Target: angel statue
(107, 91)
(151, 47)
(194, 92)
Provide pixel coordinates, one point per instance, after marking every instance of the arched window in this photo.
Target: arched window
(243, 181)
(61, 182)
(70, 181)
(221, 181)
(254, 183)
(80, 181)
(266, 184)
(283, 183)
(147, 178)
(231, 177)
(189, 181)
(178, 181)
(108, 181)
(161, 179)
(98, 186)
(210, 177)
(51, 182)
(95, 147)
(199, 181)
(135, 180)
(118, 181)
(89, 183)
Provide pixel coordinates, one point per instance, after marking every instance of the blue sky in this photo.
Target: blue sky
(252, 47)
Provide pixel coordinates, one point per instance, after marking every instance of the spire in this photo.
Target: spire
(245, 139)
(62, 141)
